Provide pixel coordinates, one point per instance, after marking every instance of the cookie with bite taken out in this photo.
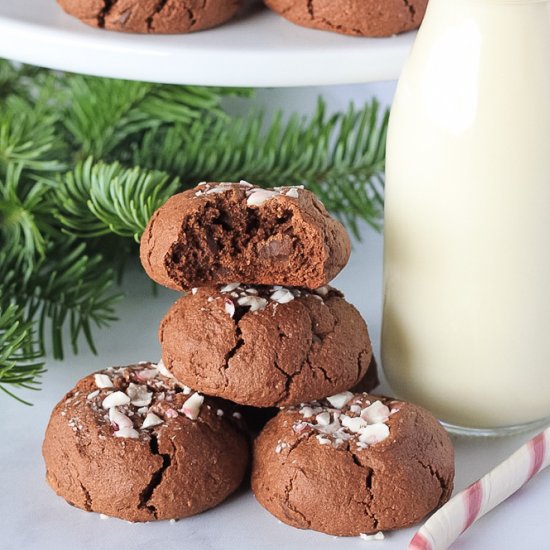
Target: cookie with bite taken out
(218, 233)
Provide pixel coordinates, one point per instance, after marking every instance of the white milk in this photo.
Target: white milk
(466, 330)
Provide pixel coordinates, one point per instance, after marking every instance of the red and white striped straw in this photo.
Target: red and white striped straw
(450, 521)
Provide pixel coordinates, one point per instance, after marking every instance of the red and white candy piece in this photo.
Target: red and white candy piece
(340, 399)
(447, 524)
(151, 420)
(115, 399)
(161, 367)
(147, 374)
(102, 381)
(138, 394)
(192, 407)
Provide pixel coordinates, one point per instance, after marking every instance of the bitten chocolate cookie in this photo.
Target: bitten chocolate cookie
(265, 346)
(152, 16)
(354, 17)
(352, 464)
(222, 232)
(132, 443)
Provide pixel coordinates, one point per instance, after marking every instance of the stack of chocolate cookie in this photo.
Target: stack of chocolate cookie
(257, 328)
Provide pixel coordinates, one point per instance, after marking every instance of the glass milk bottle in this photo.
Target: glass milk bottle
(466, 326)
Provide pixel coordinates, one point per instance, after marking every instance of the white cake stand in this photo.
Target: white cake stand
(259, 49)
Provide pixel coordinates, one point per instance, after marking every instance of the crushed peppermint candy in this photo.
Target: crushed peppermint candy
(345, 418)
(282, 296)
(147, 374)
(138, 394)
(119, 420)
(255, 196)
(230, 287)
(151, 420)
(192, 407)
(127, 432)
(375, 413)
(259, 297)
(229, 307)
(340, 399)
(255, 303)
(115, 399)
(161, 367)
(102, 381)
(370, 538)
(132, 400)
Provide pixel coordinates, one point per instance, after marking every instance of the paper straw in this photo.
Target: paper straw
(450, 521)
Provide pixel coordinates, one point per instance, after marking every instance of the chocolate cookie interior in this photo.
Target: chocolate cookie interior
(269, 242)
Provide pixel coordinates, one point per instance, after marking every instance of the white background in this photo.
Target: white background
(32, 517)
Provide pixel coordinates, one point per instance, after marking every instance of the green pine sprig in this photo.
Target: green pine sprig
(20, 364)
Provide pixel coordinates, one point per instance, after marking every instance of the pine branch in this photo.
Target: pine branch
(28, 135)
(25, 214)
(16, 80)
(340, 157)
(104, 113)
(98, 199)
(74, 291)
(20, 366)
(65, 289)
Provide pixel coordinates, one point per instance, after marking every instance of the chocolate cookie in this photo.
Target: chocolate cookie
(132, 443)
(354, 17)
(152, 16)
(223, 232)
(265, 346)
(352, 464)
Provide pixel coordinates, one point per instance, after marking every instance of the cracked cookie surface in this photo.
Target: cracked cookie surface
(222, 232)
(152, 16)
(356, 463)
(265, 346)
(133, 443)
(354, 17)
